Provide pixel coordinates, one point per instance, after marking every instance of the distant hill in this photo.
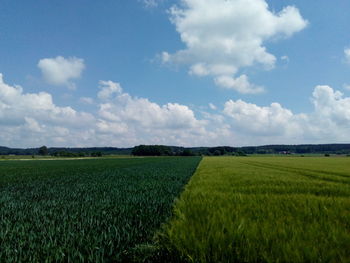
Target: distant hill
(278, 149)
(174, 150)
(53, 150)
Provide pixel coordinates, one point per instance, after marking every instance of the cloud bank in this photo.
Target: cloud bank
(121, 120)
(224, 36)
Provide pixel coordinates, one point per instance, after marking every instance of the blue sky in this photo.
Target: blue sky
(190, 72)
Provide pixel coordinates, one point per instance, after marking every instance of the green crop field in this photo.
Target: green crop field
(234, 209)
(96, 210)
(256, 209)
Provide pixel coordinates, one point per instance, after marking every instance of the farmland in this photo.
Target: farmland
(97, 210)
(233, 209)
(263, 209)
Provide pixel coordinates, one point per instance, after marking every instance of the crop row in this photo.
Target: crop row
(86, 210)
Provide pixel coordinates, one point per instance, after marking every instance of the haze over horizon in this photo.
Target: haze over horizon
(174, 72)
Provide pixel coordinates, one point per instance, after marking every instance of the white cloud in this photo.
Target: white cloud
(240, 84)
(23, 115)
(273, 120)
(33, 119)
(331, 106)
(201, 69)
(285, 59)
(151, 3)
(33, 125)
(138, 120)
(346, 86)
(108, 89)
(212, 106)
(221, 36)
(61, 71)
(347, 54)
(147, 115)
(165, 56)
(328, 123)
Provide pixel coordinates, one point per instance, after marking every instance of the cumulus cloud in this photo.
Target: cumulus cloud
(221, 36)
(149, 115)
(240, 84)
(24, 114)
(107, 89)
(347, 54)
(33, 119)
(61, 71)
(122, 120)
(331, 105)
(33, 125)
(143, 120)
(329, 122)
(273, 120)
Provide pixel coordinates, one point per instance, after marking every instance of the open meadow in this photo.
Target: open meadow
(94, 210)
(263, 209)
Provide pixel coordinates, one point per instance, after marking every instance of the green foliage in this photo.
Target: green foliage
(77, 154)
(217, 153)
(152, 150)
(341, 149)
(221, 150)
(239, 153)
(96, 154)
(43, 150)
(187, 152)
(263, 209)
(97, 210)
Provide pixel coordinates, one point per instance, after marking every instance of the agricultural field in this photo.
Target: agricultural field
(93, 210)
(263, 209)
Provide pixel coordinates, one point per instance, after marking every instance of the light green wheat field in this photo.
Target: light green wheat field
(256, 209)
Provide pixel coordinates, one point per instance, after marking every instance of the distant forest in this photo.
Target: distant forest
(162, 150)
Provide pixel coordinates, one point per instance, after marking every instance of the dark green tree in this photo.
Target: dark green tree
(43, 150)
(217, 153)
(187, 152)
(152, 150)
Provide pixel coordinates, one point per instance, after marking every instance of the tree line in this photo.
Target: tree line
(162, 150)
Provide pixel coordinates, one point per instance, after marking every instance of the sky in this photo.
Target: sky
(121, 73)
